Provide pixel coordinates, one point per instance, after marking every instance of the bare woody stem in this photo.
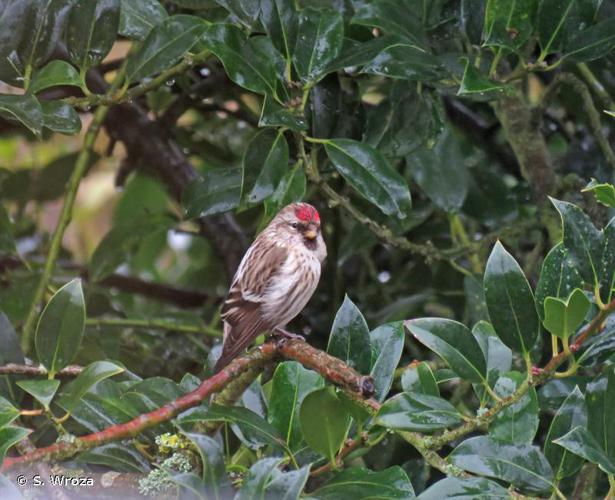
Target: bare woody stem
(35, 371)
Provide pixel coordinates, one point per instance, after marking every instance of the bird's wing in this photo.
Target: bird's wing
(241, 311)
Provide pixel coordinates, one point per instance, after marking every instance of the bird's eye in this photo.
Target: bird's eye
(294, 224)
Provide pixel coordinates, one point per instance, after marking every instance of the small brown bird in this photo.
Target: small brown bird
(276, 278)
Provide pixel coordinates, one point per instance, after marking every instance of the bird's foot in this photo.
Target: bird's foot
(285, 334)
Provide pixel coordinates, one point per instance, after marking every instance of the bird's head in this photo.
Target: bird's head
(301, 221)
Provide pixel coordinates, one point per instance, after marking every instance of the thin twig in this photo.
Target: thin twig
(17, 369)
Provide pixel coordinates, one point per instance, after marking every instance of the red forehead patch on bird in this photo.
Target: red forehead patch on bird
(307, 213)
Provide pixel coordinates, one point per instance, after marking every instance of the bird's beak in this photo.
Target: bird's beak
(310, 234)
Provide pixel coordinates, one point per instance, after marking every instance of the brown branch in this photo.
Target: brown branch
(296, 350)
(349, 446)
(36, 371)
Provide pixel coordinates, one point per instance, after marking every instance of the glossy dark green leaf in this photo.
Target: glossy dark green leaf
(266, 480)
(91, 31)
(92, 374)
(355, 54)
(41, 390)
(582, 240)
(291, 383)
(10, 436)
(509, 24)
(366, 170)
(606, 270)
(454, 343)
(256, 431)
(264, 164)
(419, 378)
(138, 17)
(244, 60)
(60, 117)
(518, 423)
(604, 192)
(8, 413)
(357, 483)
(319, 41)
(522, 465)
(212, 463)
(60, 328)
(471, 488)
(393, 17)
(582, 443)
(571, 414)
(274, 115)
(510, 301)
(280, 19)
(349, 339)
(497, 354)
(246, 11)
(558, 277)
(54, 73)
(476, 83)
(600, 401)
(24, 108)
(557, 20)
(7, 242)
(290, 189)
(218, 191)
(122, 241)
(387, 342)
(324, 422)
(165, 45)
(564, 316)
(417, 412)
(592, 43)
(116, 456)
(405, 61)
(10, 353)
(441, 173)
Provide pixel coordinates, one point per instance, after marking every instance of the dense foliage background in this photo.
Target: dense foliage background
(145, 142)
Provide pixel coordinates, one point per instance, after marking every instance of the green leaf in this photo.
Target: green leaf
(10, 353)
(582, 240)
(212, 463)
(118, 457)
(557, 21)
(563, 317)
(349, 339)
(256, 431)
(454, 343)
(392, 17)
(264, 164)
(465, 488)
(7, 242)
(580, 442)
(417, 412)
(291, 384)
(356, 483)
(218, 191)
(53, 74)
(324, 422)
(518, 422)
(91, 31)
(60, 328)
(244, 59)
(366, 170)
(91, 375)
(8, 413)
(441, 173)
(420, 379)
(60, 117)
(279, 18)
(24, 108)
(290, 189)
(10, 436)
(474, 82)
(164, 46)
(509, 24)
(604, 192)
(246, 11)
(138, 17)
(407, 62)
(558, 277)
(497, 354)
(592, 43)
(41, 390)
(319, 41)
(522, 465)
(510, 301)
(274, 115)
(265, 480)
(600, 401)
(570, 414)
(387, 343)
(607, 263)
